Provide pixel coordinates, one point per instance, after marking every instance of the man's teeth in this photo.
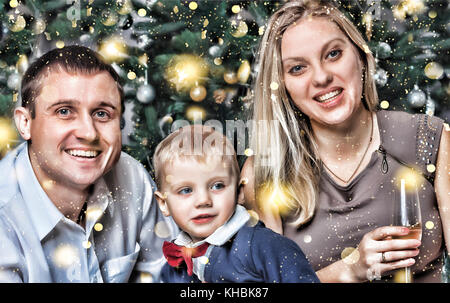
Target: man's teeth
(329, 95)
(83, 153)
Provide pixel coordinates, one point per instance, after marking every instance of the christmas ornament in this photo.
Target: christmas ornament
(16, 23)
(14, 81)
(198, 93)
(124, 7)
(430, 106)
(8, 135)
(384, 50)
(186, 70)
(113, 49)
(195, 113)
(214, 51)
(381, 77)
(22, 64)
(143, 41)
(239, 28)
(109, 17)
(230, 77)
(434, 70)
(416, 97)
(38, 26)
(243, 72)
(125, 22)
(145, 93)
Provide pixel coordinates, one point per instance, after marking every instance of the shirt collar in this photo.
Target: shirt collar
(44, 214)
(220, 235)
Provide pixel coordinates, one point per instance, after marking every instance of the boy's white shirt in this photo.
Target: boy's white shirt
(219, 237)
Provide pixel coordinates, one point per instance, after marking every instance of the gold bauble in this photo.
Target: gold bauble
(243, 72)
(124, 7)
(195, 113)
(230, 77)
(8, 135)
(109, 17)
(240, 29)
(16, 23)
(434, 70)
(198, 93)
(186, 70)
(39, 26)
(113, 49)
(22, 64)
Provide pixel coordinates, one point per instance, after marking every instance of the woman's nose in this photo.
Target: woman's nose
(321, 77)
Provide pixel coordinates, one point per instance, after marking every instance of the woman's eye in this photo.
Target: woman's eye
(217, 186)
(296, 69)
(185, 191)
(334, 53)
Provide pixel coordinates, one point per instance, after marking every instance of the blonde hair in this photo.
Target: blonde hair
(285, 151)
(199, 142)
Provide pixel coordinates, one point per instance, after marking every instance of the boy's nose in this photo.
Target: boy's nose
(203, 199)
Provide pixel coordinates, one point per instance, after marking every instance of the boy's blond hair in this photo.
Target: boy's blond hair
(194, 141)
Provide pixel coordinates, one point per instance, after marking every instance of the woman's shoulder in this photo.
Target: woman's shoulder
(412, 139)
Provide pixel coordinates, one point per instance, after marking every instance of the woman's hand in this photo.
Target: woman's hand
(378, 253)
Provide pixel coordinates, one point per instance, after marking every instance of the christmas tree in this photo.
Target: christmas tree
(183, 60)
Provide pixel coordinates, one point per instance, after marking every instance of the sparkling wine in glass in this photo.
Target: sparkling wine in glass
(407, 213)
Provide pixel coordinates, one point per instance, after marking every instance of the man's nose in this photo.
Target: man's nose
(321, 76)
(86, 128)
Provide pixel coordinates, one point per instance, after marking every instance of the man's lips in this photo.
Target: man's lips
(83, 153)
(203, 218)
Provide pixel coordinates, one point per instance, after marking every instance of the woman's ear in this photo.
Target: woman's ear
(161, 198)
(22, 117)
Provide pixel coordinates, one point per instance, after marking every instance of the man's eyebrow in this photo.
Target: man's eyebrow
(325, 46)
(63, 102)
(108, 104)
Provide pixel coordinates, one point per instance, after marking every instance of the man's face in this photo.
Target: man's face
(75, 134)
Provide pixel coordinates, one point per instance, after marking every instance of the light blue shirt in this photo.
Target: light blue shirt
(122, 239)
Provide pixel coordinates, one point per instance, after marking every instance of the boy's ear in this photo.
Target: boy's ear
(22, 117)
(241, 195)
(161, 198)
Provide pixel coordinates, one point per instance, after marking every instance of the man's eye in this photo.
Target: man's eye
(185, 191)
(102, 114)
(63, 112)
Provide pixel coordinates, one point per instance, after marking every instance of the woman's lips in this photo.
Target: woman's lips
(203, 218)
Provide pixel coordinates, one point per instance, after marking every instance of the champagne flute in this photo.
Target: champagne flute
(407, 213)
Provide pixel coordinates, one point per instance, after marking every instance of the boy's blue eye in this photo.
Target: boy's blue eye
(217, 186)
(185, 191)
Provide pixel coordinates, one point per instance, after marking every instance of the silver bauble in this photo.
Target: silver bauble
(417, 97)
(384, 50)
(145, 93)
(14, 81)
(381, 77)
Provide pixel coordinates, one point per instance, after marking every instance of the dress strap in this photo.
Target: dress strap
(411, 139)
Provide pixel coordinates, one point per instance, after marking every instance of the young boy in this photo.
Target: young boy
(197, 176)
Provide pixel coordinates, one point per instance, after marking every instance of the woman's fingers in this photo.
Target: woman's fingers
(390, 256)
(396, 244)
(381, 233)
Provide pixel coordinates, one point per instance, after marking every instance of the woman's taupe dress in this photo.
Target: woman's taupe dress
(345, 214)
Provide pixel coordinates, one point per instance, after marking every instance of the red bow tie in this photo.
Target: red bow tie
(176, 254)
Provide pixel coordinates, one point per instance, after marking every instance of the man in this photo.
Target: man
(73, 207)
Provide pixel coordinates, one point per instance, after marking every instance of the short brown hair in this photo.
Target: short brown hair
(71, 59)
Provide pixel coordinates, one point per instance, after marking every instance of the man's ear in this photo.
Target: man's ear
(161, 198)
(22, 117)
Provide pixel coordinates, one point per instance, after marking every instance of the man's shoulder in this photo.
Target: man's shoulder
(8, 183)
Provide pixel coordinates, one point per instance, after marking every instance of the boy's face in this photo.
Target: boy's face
(200, 197)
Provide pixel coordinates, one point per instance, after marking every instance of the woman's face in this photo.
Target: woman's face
(322, 70)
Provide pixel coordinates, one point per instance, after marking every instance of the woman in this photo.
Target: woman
(319, 141)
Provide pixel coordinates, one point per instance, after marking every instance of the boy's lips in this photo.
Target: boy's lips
(203, 218)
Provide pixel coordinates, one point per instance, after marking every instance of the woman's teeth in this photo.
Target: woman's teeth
(83, 153)
(328, 96)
